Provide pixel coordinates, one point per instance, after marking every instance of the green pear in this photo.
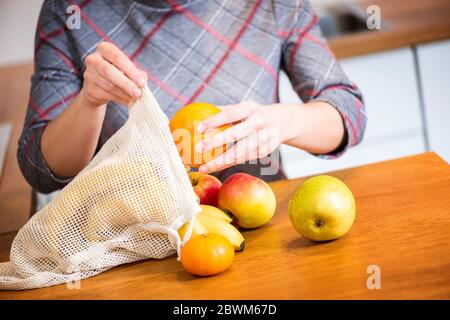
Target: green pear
(322, 208)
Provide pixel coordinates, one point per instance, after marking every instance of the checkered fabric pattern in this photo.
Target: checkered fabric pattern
(217, 51)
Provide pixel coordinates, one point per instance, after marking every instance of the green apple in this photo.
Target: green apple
(323, 208)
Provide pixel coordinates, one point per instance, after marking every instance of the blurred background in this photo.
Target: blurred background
(402, 68)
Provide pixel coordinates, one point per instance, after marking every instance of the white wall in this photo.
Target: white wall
(18, 20)
(434, 67)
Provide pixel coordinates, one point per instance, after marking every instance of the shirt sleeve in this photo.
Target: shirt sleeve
(56, 81)
(315, 73)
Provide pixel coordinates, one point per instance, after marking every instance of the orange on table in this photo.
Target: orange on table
(183, 126)
(207, 254)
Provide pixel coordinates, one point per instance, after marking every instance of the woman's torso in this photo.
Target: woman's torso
(221, 52)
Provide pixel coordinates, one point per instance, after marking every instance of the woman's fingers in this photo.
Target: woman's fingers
(100, 96)
(244, 150)
(117, 77)
(232, 134)
(254, 146)
(229, 114)
(111, 70)
(116, 57)
(97, 80)
(255, 137)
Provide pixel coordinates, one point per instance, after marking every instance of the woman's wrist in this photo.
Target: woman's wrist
(87, 103)
(291, 126)
(315, 127)
(91, 111)
(69, 141)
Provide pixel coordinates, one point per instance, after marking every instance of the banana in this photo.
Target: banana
(219, 226)
(214, 212)
(198, 229)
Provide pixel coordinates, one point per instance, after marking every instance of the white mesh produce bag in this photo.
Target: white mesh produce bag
(126, 205)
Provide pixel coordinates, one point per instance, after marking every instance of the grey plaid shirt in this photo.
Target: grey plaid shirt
(218, 51)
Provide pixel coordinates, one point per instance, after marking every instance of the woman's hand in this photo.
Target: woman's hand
(258, 131)
(316, 127)
(111, 76)
(70, 140)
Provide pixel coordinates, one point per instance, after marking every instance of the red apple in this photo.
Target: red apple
(206, 187)
(249, 199)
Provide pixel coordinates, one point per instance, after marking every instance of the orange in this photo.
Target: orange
(207, 254)
(183, 126)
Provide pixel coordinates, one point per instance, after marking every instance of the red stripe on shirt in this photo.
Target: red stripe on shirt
(227, 53)
(150, 76)
(245, 53)
(149, 35)
(299, 41)
(171, 91)
(63, 56)
(358, 108)
(166, 88)
(46, 37)
(317, 41)
(43, 113)
(37, 108)
(94, 27)
(91, 24)
(287, 33)
(352, 127)
(60, 102)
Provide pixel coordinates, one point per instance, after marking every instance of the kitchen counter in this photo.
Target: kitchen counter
(409, 22)
(402, 227)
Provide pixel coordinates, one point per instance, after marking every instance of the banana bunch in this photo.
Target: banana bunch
(214, 220)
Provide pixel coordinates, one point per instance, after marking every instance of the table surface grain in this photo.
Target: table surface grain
(402, 226)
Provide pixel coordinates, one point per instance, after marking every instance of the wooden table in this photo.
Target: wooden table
(402, 226)
(409, 23)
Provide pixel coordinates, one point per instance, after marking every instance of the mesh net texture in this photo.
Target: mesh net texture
(126, 205)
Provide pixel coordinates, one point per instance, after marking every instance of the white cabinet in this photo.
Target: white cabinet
(434, 66)
(394, 129)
